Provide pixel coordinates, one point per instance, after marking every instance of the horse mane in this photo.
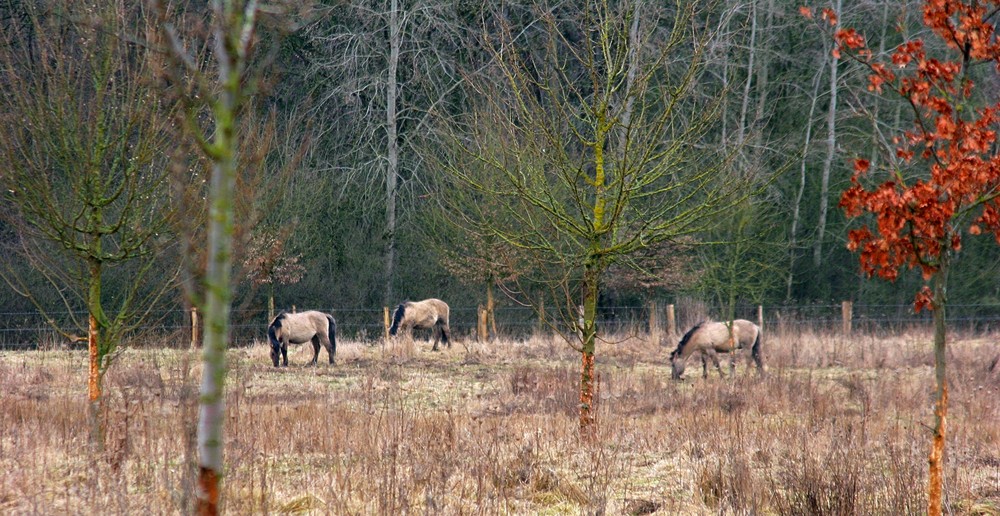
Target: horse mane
(272, 335)
(397, 317)
(686, 338)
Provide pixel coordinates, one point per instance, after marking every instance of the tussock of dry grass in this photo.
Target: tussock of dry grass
(837, 426)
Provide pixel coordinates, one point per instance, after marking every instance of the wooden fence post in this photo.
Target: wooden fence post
(481, 323)
(654, 320)
(385, 321)
(491, 317)
(671, 323)
(847, 313)
(541, 313)
(194, 327)
(760, 317)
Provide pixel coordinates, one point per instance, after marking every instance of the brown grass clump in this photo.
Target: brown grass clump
(837, 426)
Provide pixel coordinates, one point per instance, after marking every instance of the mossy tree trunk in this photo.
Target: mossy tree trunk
(233, 34)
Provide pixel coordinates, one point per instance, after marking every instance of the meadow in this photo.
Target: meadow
(839, 425)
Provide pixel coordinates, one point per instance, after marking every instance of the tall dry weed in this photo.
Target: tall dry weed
(831, 429)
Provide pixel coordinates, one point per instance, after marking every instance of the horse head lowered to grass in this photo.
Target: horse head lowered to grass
(709, 338)
(318, 327)
(427, 314)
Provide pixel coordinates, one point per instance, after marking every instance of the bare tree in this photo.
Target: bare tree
(380, 68)
(85, 177)
(579, 188)
(831, 151)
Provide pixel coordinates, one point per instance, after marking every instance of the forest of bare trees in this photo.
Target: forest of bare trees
(377, 137)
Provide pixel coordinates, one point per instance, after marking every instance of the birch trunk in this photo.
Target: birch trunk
(741, 127)
(831, 151)
(763, 77)
(796, 208)
(233, 33)
(392, 150)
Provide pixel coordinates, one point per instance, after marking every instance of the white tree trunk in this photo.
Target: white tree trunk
(763, 77)
(796, 208)
(741, 128)
(231, 58)
(392, 150)
(831, 151)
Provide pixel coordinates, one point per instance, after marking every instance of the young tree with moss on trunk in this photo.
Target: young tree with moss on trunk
(942, 179)
(84, 176)
(217, 98)
(589, 146)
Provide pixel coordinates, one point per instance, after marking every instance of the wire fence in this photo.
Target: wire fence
(172, 328)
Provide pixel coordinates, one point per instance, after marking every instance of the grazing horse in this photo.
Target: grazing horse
(427, 314)
(709, 338)
(318, 327)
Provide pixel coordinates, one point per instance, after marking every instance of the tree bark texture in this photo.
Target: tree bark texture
(796, 208)
(935, 478)
(587, 408)
(231, 46)
(94, 387)
(831, 152)
(392, 149)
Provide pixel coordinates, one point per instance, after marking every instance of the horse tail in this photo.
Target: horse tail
(755, 352)
(443, 321)
(272, 331)
(397, 317)
(332, 329)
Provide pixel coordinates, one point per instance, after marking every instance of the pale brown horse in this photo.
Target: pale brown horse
(427, 314)
(710, 338)
(318, 327)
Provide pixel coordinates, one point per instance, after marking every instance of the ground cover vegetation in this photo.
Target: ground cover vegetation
(838, 426)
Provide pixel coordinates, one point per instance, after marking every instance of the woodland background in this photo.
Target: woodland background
(345, 206)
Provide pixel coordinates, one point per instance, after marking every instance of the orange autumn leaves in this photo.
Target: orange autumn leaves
(952, 145)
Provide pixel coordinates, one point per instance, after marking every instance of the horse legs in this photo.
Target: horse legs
(435, 336)
(284, 352)
(446, 335)
(755, 356)
(315, 343)
(440, 333)
(715, 360)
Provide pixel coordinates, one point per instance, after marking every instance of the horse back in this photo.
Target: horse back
(303, 326)
(441, 308)
(748, 333)
(721, 337)
(426, 313)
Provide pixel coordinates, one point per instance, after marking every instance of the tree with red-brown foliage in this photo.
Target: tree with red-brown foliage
(943, 181)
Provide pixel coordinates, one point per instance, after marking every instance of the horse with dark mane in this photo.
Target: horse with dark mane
(709, 338)
(427, 314)
(318, 327)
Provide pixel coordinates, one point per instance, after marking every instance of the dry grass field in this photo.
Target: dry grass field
(838, 426)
